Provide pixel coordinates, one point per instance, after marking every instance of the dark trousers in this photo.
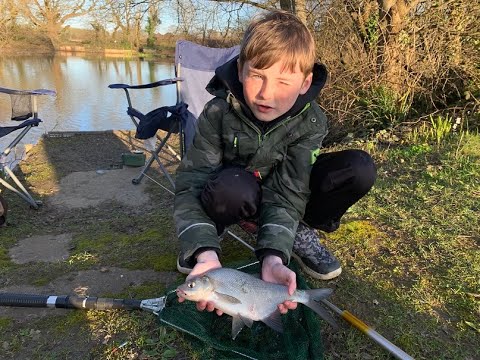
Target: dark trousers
(338, 180)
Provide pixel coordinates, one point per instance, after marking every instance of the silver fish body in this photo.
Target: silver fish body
(248, 299)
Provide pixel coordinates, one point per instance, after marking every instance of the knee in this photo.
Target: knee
(363, 169)
(231, 195)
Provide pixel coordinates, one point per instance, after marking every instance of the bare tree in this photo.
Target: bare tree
(50, 16)
(7, 20)
(129, 17)
(209, 22)
(298, 7)
(390, 59)
(152, 21)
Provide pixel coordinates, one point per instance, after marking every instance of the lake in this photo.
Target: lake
(83, 102)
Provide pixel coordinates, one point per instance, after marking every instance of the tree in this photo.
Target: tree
(392, 59)
(297, 7)
(7, 20)
(50, 16)
(152, 21)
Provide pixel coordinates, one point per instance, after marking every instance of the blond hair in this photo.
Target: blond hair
(278, 35)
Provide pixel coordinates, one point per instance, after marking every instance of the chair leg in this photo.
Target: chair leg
(24, 194)
(154, 156)
(164, 170)
(173, 152)
(247, 245)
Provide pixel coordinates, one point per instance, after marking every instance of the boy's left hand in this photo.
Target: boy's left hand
(274, 271)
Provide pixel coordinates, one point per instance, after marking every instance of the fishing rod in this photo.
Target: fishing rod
(372, 334)
(154, 306)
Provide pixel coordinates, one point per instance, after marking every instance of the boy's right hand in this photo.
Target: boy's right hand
(207, 260)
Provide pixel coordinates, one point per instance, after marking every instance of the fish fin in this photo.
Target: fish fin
(274, 321)
(237, 325)
(314, 296)
(246, 321)
(227, 298)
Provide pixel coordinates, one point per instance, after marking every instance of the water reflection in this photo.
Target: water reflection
(83, 102)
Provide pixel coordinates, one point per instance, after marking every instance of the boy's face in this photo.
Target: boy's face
(271, 92)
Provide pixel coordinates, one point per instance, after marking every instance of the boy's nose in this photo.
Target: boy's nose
(266, 91)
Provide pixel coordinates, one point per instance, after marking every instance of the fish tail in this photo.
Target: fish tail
(313, 302)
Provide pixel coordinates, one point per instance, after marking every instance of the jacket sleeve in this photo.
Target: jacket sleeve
(194, 228)
(286, 192)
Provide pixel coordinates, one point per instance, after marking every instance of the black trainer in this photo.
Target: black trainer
(313, 257)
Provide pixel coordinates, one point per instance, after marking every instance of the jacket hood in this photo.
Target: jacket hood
(226, 79)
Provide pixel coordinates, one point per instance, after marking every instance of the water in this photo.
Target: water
(83, 102)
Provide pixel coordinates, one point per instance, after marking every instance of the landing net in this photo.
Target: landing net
(210, 335)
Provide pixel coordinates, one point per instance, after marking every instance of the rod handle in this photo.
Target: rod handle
(67, 302)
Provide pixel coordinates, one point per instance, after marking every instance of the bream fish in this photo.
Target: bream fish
(248, 299)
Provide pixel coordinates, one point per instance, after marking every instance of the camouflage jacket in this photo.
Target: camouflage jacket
(283, 156)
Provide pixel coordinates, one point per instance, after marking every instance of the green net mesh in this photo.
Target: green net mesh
(210, 335)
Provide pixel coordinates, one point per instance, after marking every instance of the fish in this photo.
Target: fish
(247, 298)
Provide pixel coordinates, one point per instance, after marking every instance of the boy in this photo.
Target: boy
(255, 157)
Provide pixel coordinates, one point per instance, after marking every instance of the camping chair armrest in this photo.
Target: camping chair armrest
(28, 92)
(146, 86)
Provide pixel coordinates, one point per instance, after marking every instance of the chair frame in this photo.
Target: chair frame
(154, 154)
(20, 190)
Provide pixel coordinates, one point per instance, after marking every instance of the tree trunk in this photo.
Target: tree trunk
(53, 32)
(297, 7)
(300, 7)
(392, 19)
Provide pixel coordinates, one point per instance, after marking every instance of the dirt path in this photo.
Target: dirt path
(94, 235)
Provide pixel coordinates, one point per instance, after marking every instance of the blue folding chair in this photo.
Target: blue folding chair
(24, 108)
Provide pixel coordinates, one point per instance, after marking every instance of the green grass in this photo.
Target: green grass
(422, 267)
(409, 250)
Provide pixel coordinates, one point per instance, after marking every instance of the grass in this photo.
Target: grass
(409, 250)
(423, 268)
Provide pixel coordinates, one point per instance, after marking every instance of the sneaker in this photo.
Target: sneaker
(250, 227)
(183, 266)
(313, 257)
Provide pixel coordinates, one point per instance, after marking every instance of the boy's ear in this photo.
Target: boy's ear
(239, 69)
(306, 84)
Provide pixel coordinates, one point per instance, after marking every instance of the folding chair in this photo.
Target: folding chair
(194, 67)
(24, 108)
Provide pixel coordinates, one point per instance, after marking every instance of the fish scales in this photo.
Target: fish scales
(247, 298)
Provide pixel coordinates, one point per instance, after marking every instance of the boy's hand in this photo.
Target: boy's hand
(207, 260)
(274, 271)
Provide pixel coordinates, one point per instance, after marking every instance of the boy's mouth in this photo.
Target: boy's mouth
(263, 108)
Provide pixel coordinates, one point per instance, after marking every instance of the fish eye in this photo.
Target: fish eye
(191, 284)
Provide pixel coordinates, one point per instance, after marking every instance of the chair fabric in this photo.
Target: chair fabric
(194, 67)
(24, 108)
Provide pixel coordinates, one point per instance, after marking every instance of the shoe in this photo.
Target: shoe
(313, 257)
(183, 266)
(249, 227)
